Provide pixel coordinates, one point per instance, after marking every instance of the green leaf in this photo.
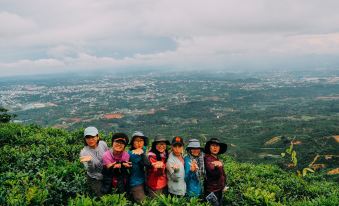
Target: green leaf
(305, 171)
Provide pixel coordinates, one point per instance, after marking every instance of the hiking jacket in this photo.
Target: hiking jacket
(115, 178)
(139, 162)
(215, 176)
(176, 179)
(156, 177)
(94, 166)
(193, 184)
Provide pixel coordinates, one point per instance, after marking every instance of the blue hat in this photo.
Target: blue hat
(193, 144)
(138, 134)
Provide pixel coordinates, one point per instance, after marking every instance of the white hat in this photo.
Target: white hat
(91, 131)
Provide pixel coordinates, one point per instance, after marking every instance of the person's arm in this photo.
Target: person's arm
(189, 175)
(153, 161)
(126, 168)
(87, 160)
(211, 168)
(173, 170)
(145, 161)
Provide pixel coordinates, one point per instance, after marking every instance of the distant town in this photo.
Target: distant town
(245, 109)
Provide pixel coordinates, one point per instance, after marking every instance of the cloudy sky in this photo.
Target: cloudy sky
(47, 36)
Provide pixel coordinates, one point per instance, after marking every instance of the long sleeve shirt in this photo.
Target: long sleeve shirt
(139, 162)
(156, 177)
(94, 166)
(215, 176)
(193, 184)
(176, 179)
(115, 177)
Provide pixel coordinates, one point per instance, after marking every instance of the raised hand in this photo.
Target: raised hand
(176, 167)
(138, 151)
(110, 165)
(86, 158)
(117, 165)
(194, 166)
(217, 164)
(158, 164)
(127, 164)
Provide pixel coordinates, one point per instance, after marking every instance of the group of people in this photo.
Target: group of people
(139, 172)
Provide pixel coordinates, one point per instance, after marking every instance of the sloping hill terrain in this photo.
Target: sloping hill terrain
(40, 166)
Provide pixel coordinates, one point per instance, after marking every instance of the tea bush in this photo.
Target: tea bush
(40, 166)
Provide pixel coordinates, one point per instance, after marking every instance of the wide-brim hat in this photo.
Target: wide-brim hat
(161, 139)
(141, 135)
(223, 146)
(194, 144)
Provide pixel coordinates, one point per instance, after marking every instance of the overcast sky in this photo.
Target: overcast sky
(46, 36)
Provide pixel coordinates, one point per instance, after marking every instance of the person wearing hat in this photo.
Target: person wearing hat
(194, 168)
(215, 174)
(156, 175)
(176, 168)
(116, 165)
(91, 157)
(139, 161)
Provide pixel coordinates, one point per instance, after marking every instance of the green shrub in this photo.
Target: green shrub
(40, 166)
(106, 200)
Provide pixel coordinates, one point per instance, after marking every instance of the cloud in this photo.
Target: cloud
(13, 25)
(29, 67)
(89, 34)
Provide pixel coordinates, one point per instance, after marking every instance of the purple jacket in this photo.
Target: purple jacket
(116, 178)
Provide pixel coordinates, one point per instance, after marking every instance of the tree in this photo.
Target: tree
(4, 116)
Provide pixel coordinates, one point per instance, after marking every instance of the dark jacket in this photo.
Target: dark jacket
(215, 176)
(115, 178)
(139, 163)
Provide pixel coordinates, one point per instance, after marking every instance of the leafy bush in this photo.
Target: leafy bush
(115, 199)
(269, 185)
(40, 166)
(4, 116)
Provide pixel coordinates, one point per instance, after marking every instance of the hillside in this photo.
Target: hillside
(39, 166)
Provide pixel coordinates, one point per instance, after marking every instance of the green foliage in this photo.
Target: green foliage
(115, 199)
(107, 200)
(4, 116)
(270, 185)
(40, 166)
(294, 161)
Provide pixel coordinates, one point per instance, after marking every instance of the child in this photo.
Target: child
(139, 161)
(215, 174)
(156, 175)
(91, 157)
(175, 168)
(116, 165)
(194, 168)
